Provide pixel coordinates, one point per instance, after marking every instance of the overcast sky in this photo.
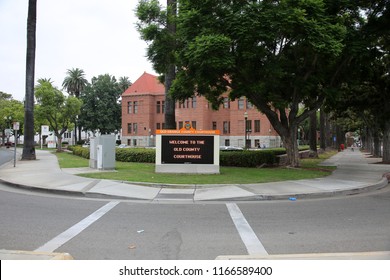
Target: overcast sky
(98, 36)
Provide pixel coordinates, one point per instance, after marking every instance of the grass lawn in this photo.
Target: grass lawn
(144, 172)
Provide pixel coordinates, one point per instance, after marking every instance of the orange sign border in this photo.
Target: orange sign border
(187, 131)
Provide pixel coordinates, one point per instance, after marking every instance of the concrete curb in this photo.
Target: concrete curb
(256, 197)
(379, 255)
(29, 255)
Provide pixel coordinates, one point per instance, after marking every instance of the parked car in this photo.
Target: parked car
(230, 148)
(122, 146)
(9, 144)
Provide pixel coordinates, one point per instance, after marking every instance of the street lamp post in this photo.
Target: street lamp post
(246, 129)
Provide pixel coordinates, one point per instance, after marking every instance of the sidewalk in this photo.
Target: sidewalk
(356, 173)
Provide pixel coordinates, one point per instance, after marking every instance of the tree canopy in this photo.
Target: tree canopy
(365, 91)
(279, 54)
(75, 81)
(157, 26)
(101, 109)
(56, 108)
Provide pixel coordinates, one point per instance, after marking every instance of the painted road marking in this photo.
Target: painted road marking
(67, 235)
(248, 236)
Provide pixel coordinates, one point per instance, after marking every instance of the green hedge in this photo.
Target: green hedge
(80, 151)
(135, 155)
(227, 158)
(248, 158)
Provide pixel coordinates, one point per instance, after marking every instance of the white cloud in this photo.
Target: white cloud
(98, 36)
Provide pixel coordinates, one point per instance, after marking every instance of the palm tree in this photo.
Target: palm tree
(74, 83)
(28, 147)
(124, 83)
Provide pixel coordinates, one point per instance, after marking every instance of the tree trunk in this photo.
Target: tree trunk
(323, 134)
(386, 142)
(370, 142)
(291, 145)
(329, 128)
(59, 142)
(170, 120)
(377, 144)
(170, 74)
(313, 135)
(79, 129)
(340, 137)
(28, 147)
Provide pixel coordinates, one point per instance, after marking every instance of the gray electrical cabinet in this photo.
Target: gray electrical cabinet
(102, 152)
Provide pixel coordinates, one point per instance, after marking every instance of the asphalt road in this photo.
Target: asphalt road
(6, 155)
(128, 230)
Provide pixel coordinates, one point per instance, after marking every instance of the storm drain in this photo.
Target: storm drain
(175, 196)
(172, 194)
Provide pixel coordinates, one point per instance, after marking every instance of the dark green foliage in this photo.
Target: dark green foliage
(101, 109)
(231, 158)
(136, 155)
(248, 158)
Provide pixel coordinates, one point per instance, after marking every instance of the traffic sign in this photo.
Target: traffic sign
(16, 125)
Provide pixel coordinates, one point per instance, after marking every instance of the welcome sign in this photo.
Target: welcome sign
(187, 151)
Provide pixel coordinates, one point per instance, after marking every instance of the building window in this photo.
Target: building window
(193, 123)
(226, 127)
(130, 107)
(214, 126)
(194, 102)
(135, 107)
(249, 105)
(180, 125)
(227, 142)
(257, 125)
(135, 128)
(158, 107)
(241, 103)
(249, 126)
(158, 126)
(134, 142)
(226, 103)
(163, 107)
(129, 126)
(257, 143)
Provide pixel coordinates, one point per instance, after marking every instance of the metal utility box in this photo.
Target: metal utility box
(102, 152)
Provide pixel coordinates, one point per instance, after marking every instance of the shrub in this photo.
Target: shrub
(227, 158)
(80, 151)
(136, 155)
(248, 158)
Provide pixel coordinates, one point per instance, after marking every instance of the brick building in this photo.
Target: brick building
(143, 113)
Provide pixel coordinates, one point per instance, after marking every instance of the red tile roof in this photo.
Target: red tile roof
(147, 83)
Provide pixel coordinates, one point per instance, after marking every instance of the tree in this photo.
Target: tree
(5, 96)
(158, 27)
(279, 54)
(11, 111)
(74, 83)
(366, 91)
(101, 108)
(28, 147)
(124, 83)
(56, 108)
